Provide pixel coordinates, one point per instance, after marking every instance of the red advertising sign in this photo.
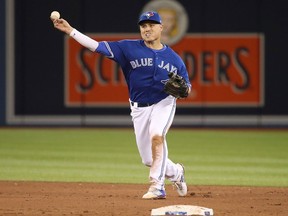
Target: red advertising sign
(224, 69)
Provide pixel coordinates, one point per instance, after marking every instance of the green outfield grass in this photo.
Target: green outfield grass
(211, 157)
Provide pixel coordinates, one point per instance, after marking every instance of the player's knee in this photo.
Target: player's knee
(157, 143)
(157, 140)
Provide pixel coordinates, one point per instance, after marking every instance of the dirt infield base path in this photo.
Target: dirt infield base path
(46, 198)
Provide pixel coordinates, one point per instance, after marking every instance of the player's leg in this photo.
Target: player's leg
(160, 121)
(141, 122)
(171, 170)
(140, 118)
(164, 113)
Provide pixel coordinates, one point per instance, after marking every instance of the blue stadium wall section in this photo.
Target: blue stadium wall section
(38, 80)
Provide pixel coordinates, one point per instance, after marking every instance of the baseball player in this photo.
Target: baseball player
(146, 64)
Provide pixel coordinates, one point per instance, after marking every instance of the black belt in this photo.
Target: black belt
(136, 104)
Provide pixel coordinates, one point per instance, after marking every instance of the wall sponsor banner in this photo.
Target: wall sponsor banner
(224, 69)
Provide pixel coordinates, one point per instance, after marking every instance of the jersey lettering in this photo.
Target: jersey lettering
(142, 62)
(168, 67)
(149, 62)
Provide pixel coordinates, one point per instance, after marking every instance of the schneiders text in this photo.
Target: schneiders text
(206, 67)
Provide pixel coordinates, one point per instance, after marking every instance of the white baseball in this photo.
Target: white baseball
(55, 15)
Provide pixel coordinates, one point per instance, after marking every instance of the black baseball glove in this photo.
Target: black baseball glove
(176, 86)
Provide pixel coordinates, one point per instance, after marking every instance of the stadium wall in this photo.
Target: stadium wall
(235, 53)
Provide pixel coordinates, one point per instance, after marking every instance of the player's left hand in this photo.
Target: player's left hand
(176, 86)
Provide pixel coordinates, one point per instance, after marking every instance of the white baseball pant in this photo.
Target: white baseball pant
(150, 122)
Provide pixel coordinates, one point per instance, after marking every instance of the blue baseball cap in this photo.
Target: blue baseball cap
(150, 16)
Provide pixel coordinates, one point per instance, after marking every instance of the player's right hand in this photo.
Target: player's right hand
(62, 25)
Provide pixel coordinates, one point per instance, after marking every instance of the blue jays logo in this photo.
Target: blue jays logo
(149, 14)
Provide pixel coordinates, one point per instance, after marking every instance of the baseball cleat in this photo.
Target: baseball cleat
(180, 183)
(154, 193)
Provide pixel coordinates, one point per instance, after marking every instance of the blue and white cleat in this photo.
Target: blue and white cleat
(154, 193)
(180, 183)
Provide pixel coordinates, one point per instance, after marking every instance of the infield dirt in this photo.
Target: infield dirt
(52, 198)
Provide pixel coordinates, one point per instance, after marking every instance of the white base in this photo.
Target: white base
(182, 210)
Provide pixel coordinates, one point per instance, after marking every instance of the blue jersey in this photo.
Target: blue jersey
(145, 70)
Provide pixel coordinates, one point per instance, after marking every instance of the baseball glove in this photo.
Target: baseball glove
(176, 86)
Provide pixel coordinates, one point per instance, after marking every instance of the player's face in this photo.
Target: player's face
(150, 31)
